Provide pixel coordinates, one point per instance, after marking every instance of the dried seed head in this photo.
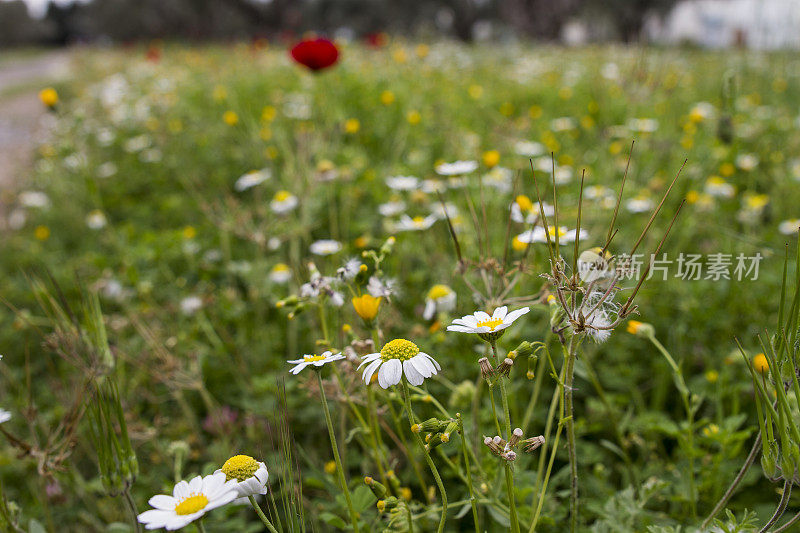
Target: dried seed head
(505, 367)
(486, 368)
(515, 437)
(532, 443)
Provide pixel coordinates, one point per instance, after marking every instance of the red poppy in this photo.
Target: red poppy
(377, 39)
(316, 54)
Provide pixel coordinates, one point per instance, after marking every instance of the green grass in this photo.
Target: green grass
(176, 228)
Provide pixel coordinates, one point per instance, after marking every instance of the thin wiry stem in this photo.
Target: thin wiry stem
(619, 199)
(658, 208)
(787, 492)
(578, 228)
(751, 457)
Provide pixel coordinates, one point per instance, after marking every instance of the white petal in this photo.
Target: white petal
(500, 312)
(296, 370)
(480, 316)
(196, 484)
(155, 517)
(430, 307)
(412, 374)
(432, 360)
(181, 490)
(463, 329)
(389, 373)
(423, 366)
(163, 502)
(370, 370)
(513, 315)
(368, 359)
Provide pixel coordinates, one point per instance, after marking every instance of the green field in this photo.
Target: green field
(141, 196)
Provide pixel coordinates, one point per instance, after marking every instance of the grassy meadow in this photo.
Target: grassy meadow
(199, 216)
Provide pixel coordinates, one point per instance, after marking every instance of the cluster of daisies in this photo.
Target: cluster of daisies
(240, 478)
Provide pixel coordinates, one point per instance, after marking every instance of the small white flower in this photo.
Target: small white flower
(34, 199)
(251, 475)
(191, 304)
(96, 220)
(390, 209)
(643, 125)
(433, 186)
(529, 149)
(417, 223)
(538, 235)
(106, 170)
(746, 161)
(396, 359)
(456, 168)
(527, 212)
(716, 186)
(325, 247)
(315, 360)
(562, 124)
(500, 178)
(483, 323)
(789, 227)
(443, 211)
(639, 205)
(5, 416)
(283, 202)
(440, 298)
(402, 183)
(189, 501)
(280, 273)
(251, 179)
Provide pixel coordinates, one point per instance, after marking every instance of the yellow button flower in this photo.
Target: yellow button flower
(49, 97)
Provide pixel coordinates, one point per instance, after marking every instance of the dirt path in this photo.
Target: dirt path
(21, 112)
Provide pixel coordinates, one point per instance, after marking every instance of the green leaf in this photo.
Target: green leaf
(332, 520)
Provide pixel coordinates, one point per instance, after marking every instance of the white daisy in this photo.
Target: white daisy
(639, 205)
(529, 149)
(539, 235)
(525, 211)
(34, 199)
(789, 227)
(390, 209)
(485, 325)
(434, 186)
(643, 125)
(315, 360)
(456, 168)
(191, 304)
(106, 170)
(441, 298)
(716, 186)
(747, 161)
(402, 183)
(396, 359)
(251, 475)
(283, 202)
(189, 501)
(325, 247)
(96, 220)
(562, 124)
(418, 223)
(251, 179)
(280, 273)
(499, 178)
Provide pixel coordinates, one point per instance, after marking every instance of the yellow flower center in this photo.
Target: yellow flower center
(280, 267)
(418, 220)
(282, 196)
(192, 504)
(561, 232)
(399, 349)
(438, 291)
(242, 467)
(312, 358)
(524, 203)
(491, 323)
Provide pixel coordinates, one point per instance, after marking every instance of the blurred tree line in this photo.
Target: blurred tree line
(467, 20)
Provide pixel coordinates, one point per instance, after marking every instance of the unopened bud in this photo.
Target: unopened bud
(505, 367)
(524, 349)
(486, 367)
(377, 489)
(532, 443)
(515, 437)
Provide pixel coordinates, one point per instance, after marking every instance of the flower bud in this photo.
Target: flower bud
(377, 489)
(505, 367)
(486, 367)
(515, 437)
(524, 349)
(531, 444)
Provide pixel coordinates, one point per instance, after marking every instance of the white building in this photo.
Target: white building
(758, 24)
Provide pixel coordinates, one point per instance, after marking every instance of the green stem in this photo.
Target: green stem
(261, 514)
(413, 419)
(512, 505)
(335, 449)
(687, 405)
(132, 506)
(200, 527)
(569, 376)
(464, 451)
